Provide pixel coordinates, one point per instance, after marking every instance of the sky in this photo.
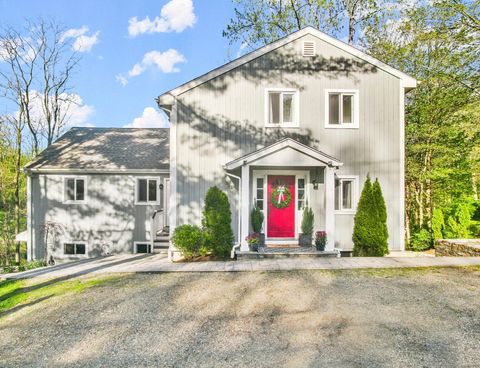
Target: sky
(132, 51)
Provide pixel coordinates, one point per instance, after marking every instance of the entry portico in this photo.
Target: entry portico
(294, 173)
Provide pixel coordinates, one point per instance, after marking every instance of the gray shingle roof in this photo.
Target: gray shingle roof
(108, 149)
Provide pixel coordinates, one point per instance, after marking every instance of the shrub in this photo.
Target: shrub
(307, 221)
(438, 224)
(188, 239)
(256, 218)
(459, 222)
(421, 240)
(370, 232)
(217, 219)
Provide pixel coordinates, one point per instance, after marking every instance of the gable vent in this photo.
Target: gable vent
(308, 48)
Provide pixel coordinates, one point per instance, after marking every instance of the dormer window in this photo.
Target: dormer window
(281, 108)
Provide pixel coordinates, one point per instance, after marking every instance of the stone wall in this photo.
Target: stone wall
(457, 247)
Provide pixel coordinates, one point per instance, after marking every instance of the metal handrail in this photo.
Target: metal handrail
(153, 229)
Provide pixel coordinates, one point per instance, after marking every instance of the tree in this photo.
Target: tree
(370, 233)
(259, 22)
(217, 219)
(431, 41)
(36, 77)
(381, 213)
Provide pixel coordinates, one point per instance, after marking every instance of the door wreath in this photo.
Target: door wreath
(281, 197)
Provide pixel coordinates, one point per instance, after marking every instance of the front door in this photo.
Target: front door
(281, 206)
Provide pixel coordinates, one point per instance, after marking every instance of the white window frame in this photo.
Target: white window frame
(135, 245)
(295, 113)
(75, 244)
(355, 192)
(356, 109)
(147, 203)
(85, 189)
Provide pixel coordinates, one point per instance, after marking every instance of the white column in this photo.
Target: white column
(30, 253)
(245, 226)
(330, 207)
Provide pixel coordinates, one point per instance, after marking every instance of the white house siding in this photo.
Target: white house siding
(108, 217)
(223, 119)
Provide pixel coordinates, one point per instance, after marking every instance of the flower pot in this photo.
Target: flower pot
(320, 246)
(305, 240)
(253, 247)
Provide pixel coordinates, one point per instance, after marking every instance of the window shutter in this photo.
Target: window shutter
(308, 48)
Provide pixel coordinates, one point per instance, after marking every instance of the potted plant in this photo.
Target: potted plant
(252, 240)
(256, 218)
(307, 228)
(320, 240)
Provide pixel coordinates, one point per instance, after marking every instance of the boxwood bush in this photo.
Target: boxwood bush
(189, 240)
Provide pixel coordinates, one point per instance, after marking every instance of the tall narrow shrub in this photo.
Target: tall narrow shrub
(438, 223)
(217, 219)
(370, 232)
(381, 210)
(307, 221)
(256, 218)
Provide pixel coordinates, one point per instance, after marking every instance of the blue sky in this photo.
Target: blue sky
(127, 61)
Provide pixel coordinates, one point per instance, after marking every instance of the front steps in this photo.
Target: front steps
(161, 244)
(288, 252)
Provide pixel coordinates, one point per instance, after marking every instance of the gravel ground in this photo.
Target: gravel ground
(378, 318)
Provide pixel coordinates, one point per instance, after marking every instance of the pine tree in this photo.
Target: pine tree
(381, 211)
(370, 233)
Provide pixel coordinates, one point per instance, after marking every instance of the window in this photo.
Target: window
(75, 189)
(74, 249)
(147, 191)
(341, 109)
(345, 193)
(301, 194)
(142, 247)
(282, 108)
(260, 194)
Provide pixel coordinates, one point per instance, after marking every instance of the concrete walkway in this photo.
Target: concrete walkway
(159, 263)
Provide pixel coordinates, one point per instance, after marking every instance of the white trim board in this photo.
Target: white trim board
(273, 148)
(167, 98)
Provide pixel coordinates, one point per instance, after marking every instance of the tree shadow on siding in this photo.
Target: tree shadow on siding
(286, 66)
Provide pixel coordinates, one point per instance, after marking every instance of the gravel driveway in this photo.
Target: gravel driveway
(359, 318)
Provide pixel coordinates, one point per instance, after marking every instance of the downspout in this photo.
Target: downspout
(238, 243)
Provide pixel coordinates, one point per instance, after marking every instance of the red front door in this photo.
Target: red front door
(281, 206)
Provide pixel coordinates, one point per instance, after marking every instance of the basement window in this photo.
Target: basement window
(74, 249)
(142, 247)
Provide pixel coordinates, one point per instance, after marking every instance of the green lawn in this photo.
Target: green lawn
(15, 293)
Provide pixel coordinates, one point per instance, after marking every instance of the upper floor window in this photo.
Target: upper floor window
(75, 189)
(281, 108)
(147, 191)
(341, 109)
(346, 193)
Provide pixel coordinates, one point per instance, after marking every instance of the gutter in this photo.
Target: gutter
(238, 243)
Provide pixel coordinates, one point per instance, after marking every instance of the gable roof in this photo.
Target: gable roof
(106, 150)
(280, 146)
(166, 99)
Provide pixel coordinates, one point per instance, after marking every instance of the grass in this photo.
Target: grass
(17, 293)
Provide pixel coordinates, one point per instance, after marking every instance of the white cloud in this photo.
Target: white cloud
(175, 16)
(165, 61)
(151, 118)
(121, 79)
(85, 43)
(82, 42)
(77, 113)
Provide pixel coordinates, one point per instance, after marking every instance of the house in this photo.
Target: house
(299, 122)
